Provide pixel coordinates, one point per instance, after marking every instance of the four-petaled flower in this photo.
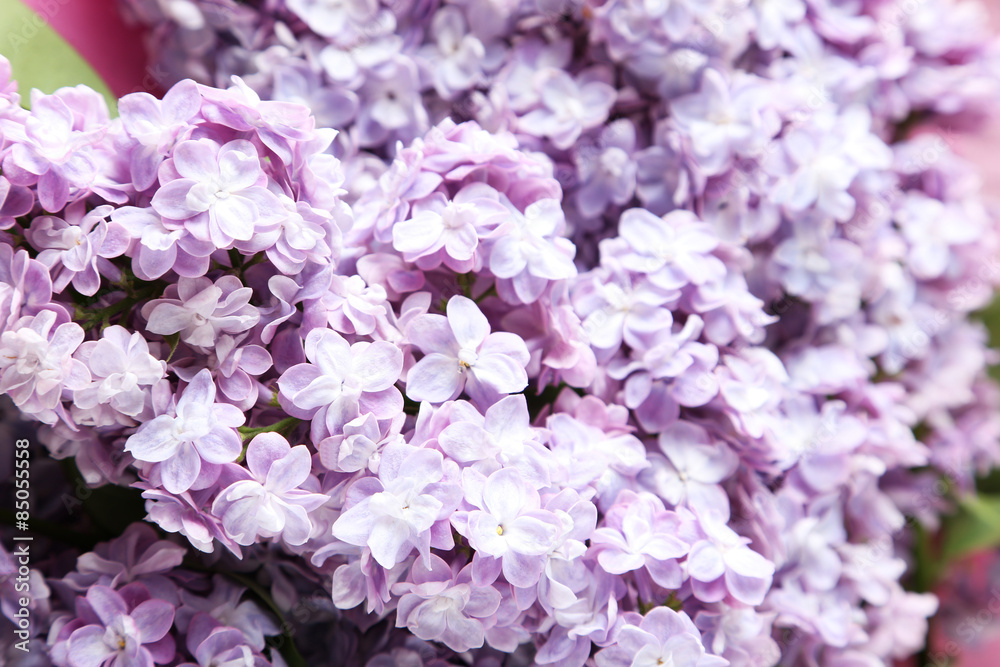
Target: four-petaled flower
(461, 353)
(199, 430)
(269, 503)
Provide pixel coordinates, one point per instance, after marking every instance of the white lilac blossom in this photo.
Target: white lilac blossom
(679, 293)
(407, 506)
(449, 232)
(218, 193)
(509, 530)
(37, 364)
(77, 250)
(342, 381)
(437, 604)
(200, 431)
(462, 354)
(529, 252)
(568, 106)
(270, 503)
(122, 372)
(202, 310)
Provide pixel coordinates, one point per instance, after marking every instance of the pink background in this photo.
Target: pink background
(96, 30)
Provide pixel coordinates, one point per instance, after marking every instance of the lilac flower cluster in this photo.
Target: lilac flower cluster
(130, 602)
(622, 333)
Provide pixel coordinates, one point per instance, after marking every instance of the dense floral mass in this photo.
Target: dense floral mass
(506, 333)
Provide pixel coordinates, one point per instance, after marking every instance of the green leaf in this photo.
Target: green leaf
(990, 316)
(976, 526)
(40, 58)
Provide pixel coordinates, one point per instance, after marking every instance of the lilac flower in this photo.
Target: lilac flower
(439, 605)
(721, 562)
(509, 531)
(122, 372)
(358, 447)
(78, 251)
(199, 431)
(673, 251)
(449, 231)
(162, 245)
(569, 106)
(454, 57)
(157, 125)
(235, 367)
(661, 637)
(594, 460)
(307, 235)
(354, 307)
(302, 85)
(219, 193)
(182, 513)
(593, 619)
(270, 503)
(50, 150)
(616, 309)
(220, 647)
(931, 228)
(276, 124)
(225, 604)
(37, 364)
(691, 468)
(407, 506)
(795, 282)
(607, 171)
(740, 635)
(674, 370)
(502, 433)
(814, 264)
(341, 381)
(15, 201)
(525, 255)
(639, 532)
(391, 107)
(722, 120)
(332, 18)
(25, 287)
(827, 155)
(122, 636)
(461, 353)
(202, 310)
(137, 555)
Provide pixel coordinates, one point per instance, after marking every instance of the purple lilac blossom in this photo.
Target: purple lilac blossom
(687, 432)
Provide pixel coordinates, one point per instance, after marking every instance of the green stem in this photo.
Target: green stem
(283, 427)
(492, 291)
(250, 431)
